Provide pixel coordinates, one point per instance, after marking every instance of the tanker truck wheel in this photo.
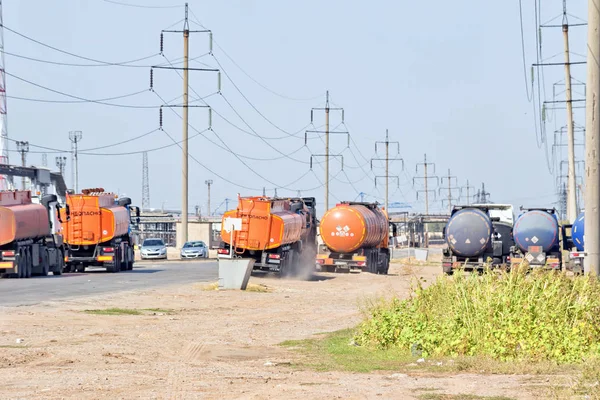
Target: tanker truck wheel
(28, 264)
(60, 265)
(130, 258)
(21, 265)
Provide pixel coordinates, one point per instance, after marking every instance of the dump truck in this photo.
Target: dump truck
(28, 246)
(355, 237)
(537, 239)
(278, 233)
(478, 235)
(99, 231)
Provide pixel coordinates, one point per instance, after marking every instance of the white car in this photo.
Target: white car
(194, 249)
(153, 248)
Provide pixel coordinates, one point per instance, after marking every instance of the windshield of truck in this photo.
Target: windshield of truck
(153, 242)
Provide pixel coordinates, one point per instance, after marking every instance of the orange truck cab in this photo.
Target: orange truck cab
(98, 232)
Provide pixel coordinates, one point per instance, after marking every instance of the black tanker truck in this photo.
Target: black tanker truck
(478, 235)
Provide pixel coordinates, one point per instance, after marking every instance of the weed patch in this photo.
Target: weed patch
(250, 288)
(510, 316)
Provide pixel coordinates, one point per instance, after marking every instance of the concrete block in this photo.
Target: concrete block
(421, 254)
(235, 273)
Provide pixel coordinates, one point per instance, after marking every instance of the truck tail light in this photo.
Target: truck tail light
(8, 253)
(574, 254)
(361, 263)
(274, 256)
(320, 261)
(108, 249)
(223, 251)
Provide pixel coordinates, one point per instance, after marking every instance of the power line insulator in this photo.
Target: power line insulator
(160, 117)
(151, 79)
(161, 42)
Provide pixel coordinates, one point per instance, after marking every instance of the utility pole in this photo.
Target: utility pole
(592, 143)
(185, 153)
(571, 187)
(145, 182)
(61, 162)
(387, 160)
(327, 133)
(450, 188)
(227, 204)
(467, 188)
(426, 178)
(208, 183)
(264, 191)
(75, 138)
(23, 148)
(275, 193)
(44, 160)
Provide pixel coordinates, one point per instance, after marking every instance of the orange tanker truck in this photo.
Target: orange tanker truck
(99, 231)
(355, 236)
(280, 234)
(27, 245)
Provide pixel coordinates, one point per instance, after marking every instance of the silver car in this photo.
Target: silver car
(195, 249)
(153, 249)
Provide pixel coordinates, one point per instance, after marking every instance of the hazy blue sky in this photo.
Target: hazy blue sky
(446, 79)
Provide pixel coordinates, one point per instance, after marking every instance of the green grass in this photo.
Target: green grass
(128, 311)
(542, 316)
(334, 352)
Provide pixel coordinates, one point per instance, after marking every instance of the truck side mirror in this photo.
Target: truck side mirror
(58, 208)
(68, 208)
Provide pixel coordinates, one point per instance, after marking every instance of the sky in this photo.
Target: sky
(447, 82)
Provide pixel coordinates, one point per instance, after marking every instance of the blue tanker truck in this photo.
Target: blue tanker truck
(573, 235)
(536, 234)
(478, 235)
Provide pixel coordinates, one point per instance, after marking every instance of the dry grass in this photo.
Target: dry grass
(252, 287)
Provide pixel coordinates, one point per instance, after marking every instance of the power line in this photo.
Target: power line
(137, 5)
(121, 63)
(77, 97)
(260, 84)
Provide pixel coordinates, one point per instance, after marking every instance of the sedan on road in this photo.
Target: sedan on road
(153, 249)
(196, 249)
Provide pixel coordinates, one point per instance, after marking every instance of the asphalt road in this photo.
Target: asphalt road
(21, 292)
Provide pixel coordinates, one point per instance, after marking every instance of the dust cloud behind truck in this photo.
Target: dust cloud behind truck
(355, 237)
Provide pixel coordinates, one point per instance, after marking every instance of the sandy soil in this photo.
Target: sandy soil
(216, 345)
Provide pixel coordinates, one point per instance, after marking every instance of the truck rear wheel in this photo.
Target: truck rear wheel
(28, 264)
(130, 258)
(58, 269)
(21, 265)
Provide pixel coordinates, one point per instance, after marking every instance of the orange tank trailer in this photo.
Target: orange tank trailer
(278, 233)
(98, 231)
(27, 246)
(356, 236)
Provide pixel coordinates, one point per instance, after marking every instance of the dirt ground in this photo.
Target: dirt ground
(214, 345)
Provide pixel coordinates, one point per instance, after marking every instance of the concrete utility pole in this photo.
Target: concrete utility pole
(186, 87)
(61, 162)
(571, 186)
(468, 189)
(208, 183)
(387, 160)
(264, 191)
(145, 182)
(23, 148)
(450, 188)
(44, 160)
(327, 133)
(184, 147)
(592, 143)
(75, 138)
